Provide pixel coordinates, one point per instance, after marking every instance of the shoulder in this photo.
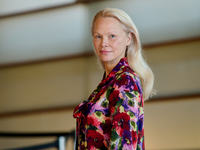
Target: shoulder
(128, 80)
(127, 74)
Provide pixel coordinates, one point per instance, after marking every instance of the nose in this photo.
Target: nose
(104, 42)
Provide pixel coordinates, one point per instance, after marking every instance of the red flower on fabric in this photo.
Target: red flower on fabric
(113, 99)
(95, 139)
(121, 122)
(135, 87)
(123, 81)
(114, 95)
(106, 127)
(90, 121)
(82, 147)
(98, 95)
(134, 136)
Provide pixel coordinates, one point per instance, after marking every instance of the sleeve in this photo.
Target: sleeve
(126, 112)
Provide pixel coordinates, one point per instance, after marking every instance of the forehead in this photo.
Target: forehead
(103, 23)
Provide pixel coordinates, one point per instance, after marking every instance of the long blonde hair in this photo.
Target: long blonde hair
(134, 50)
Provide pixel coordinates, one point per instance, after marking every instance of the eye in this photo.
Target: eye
(97, 36)
(112, 36)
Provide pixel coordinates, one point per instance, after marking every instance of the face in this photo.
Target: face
(110, 40)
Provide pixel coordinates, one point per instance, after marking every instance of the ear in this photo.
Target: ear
(129, 39)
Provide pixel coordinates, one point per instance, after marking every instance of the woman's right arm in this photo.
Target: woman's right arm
(126, 107)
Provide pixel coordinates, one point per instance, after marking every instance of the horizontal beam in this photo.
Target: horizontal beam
(46, 60)
(36, 134)
(47, 8)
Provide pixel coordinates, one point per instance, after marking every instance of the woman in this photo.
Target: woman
(112, 117)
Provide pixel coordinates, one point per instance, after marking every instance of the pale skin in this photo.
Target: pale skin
(110, 41)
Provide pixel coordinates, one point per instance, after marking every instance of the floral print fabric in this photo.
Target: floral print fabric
(112, 117)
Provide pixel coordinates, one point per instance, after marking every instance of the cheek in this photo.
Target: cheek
(120, 43)
(119, 46)
(95, 46)
(95, 43)
(116, 44)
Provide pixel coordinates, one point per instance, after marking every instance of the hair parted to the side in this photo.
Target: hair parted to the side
(134, 50)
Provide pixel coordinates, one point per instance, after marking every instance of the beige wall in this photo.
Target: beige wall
(52, 84)
(169, 124)
(172, 124)
(176, 68)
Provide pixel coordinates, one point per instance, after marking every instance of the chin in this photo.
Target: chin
(105, 59)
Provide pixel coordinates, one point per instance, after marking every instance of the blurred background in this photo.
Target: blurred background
(47, 67)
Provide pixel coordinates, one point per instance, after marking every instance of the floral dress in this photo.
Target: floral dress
(112, 117)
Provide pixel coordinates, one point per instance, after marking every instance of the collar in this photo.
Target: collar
(123, 63)
(105, 82)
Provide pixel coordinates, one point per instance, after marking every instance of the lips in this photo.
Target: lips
(105, 52)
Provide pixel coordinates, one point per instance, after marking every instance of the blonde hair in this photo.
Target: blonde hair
(134, 50)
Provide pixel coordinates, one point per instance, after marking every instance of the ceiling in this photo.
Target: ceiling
(32, 30)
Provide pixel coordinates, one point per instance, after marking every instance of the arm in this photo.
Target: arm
(126, 108)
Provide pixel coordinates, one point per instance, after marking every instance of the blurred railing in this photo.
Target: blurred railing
(59, 143)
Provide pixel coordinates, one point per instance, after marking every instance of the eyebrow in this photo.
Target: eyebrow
(96, 33)
(111, 32)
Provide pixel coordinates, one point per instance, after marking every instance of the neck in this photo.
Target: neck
(109, 67)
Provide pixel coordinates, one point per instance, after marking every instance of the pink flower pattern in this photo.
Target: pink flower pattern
(112, 118)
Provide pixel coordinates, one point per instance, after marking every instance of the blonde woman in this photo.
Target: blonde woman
(113, 117)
